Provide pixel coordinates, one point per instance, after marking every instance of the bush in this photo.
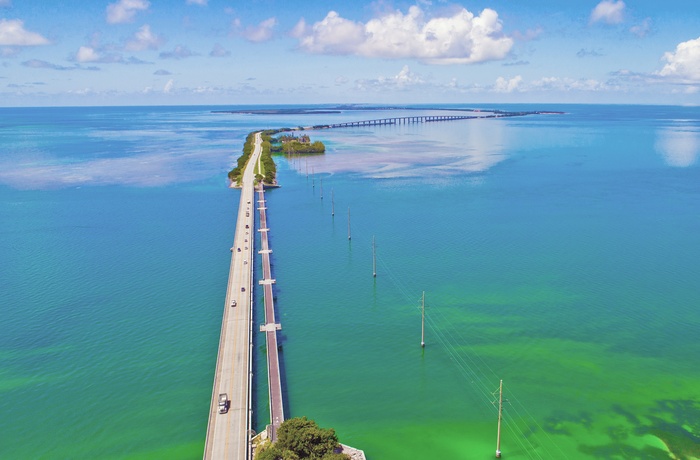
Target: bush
(300, 438)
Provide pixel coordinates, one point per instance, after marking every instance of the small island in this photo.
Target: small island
(293, 145)
(301, 438)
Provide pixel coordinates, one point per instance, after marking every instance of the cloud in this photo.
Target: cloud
(516, 63)
(168, 88)
(13, 33)
(262, 33)
(642, 30)
(567, 84)
(32, 84)
(90, 54)
(528, 35)
(219, 51)
(87, 54)
(582, 53)
(180, 52)
(403, 80)
(684, 63)
(608, 11)
(197, 2)
(162, 72)
(144, 39)
(507, 86)
(8, 51)
(125, 10)
(461, 38)
(5, 3)
(39, 64)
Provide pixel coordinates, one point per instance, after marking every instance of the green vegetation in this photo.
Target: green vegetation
(235, 174)
(299, 438)
(287, 143)
(267, 165)
(291, 144)
(268, 170)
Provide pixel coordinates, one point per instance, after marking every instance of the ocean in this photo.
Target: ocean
(557, 252)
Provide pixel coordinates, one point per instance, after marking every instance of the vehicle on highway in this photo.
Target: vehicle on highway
(224, 403)
(242, 289)
(233, 303)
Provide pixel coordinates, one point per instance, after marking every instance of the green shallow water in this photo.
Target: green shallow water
(559, 254)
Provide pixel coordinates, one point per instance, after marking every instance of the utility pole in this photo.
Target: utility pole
(374, 258)
(422, 323)
(500, 416)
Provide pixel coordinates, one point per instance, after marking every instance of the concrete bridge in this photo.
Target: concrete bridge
(229, 433)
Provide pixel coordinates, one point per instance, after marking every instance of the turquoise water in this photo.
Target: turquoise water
(557, 252)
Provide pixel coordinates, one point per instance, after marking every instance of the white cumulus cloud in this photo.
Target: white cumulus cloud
(168, 88)
(262, 32)
(609, 12)
(197, 2)
(87, 54)
(459, 38)
(13, 33)
(507, 85)
(125, 10)
(684, 63)
(144, 39)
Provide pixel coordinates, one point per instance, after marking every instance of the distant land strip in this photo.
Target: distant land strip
(341, 108)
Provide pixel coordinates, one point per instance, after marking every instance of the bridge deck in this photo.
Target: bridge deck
(271, 327)
(228, 434)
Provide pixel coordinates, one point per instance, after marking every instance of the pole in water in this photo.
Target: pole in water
(349, 237)
(321, 188)
(500, 413)
(374, 258)
(332, 203)
(422, 323)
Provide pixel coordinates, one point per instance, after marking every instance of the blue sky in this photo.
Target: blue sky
(152, 52)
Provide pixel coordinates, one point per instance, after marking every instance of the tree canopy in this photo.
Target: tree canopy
(300, 438)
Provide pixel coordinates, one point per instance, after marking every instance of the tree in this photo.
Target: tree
(300, 438)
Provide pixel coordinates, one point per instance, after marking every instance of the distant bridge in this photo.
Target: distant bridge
(416, 119)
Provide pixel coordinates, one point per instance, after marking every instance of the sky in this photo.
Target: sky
(190, 52)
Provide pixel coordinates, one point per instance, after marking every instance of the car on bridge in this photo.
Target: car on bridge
(224, 403)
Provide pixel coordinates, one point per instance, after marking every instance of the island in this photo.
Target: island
(266, 170)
